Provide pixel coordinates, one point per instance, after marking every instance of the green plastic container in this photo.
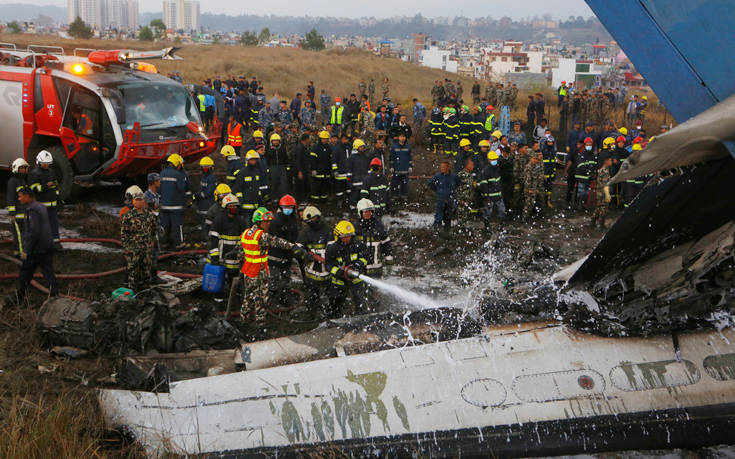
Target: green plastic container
(124, 293)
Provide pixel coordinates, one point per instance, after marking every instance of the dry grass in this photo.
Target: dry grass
(287, 71)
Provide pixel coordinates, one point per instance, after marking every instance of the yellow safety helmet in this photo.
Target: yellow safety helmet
(176, 160)
(323, 135)
(651, 139)
(344, 229)
(637, 147)
(464, 143)
(275, 136)
(492, 155)
(483, 143)
(221, 190)
(252, 154)
(357, 144)
(227, 150)
(644, 97)
(497, 134)
(608, 141)
(623, 131)
(258, 134)
(206, 161)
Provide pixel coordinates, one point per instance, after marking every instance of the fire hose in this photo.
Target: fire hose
(98, 275)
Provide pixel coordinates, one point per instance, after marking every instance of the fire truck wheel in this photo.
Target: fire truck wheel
(64, 172)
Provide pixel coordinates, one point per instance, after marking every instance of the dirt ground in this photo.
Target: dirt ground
(450, 268)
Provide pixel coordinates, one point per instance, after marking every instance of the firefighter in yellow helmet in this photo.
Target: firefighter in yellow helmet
(204, 198)
(175, 196)
(346, 260)
(220, 191)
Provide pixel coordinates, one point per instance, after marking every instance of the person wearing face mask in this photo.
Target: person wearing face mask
(314, 237)
(586, 162)
(491, 189)
(285, 225)
(224, 238)
(337, 115)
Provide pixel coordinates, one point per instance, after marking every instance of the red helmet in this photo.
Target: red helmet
(338, 99)
(620, 139)
(563, 82)
(638, 139)
(287, 200)
(589, 140)
(376, 162)
(490, 108)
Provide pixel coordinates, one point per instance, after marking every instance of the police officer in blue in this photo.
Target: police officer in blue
(175, 195)
(443, 184)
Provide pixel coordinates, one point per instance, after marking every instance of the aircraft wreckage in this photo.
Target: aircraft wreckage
(534, 388)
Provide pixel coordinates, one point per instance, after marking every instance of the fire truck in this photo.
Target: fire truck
(100, 113)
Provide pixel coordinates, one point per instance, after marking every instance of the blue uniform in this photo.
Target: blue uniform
(174, 193)
(443, 185)
(401, 161)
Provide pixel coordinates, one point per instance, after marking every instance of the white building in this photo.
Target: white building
(181, 14)
(438, 59)
(103, 14)
(565, 72)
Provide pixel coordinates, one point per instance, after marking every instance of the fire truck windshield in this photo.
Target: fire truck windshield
(157, 105)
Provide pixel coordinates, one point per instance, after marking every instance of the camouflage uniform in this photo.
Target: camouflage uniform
(600, 212)
(533, 187)
(513, 97)
(137, 234)
(255, 294)
(450, 89)
(435, 95)
(386, 90)
(507, 97)
(460, 90)
(465, 195)
(371, 92)
(366, 127)
(519, 171)
(362, 89)
(490, 94)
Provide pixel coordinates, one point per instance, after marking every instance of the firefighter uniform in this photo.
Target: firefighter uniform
(338, 255)
(373, 234)
(248, 189)
(279, 260)
(320, 163)
(174, 195)
(437, 133)
(314, 238)
(48, 195)
(16, 210)
(234, 136)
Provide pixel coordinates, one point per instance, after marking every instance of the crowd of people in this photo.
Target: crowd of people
(298, 157)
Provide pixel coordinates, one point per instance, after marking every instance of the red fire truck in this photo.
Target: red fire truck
(102, 115)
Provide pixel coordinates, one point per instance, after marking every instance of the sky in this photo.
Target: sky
(559, 9)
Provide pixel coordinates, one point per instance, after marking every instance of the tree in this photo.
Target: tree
(145, 34)
(159, 28)
(249, 39)
(78, 29)
(14, 27)
(313, 41)
(264, 36)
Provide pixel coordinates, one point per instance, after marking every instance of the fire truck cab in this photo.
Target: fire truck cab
(102, 115)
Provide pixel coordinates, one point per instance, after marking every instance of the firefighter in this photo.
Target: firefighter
(43, 181)
(174, 197)
(371, 232)
(233, 163)
(340, 153)
(279, 168)
(16, 182)
(314, 238)
(548, 150)
(224, 237)
(247, 185)
(585, 168)
(320, 164)
(205, 196)
(491, 189)
(286, 226)
(357, 169)
(451, 131)
(437, 134)
(235, 131)
(633, 186)
(346, 259)
(255, 243)
(376, 187)
(215, 209)
(254, 141)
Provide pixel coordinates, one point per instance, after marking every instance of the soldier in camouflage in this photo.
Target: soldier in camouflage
(513, 96)
(533, 185)
(602, 193)
(255, 242)
(362, 88)
(520, 161)
(386, 88)
(435, 94)
(465, 193)
(137, 234)
(371, 92)
(460, 90)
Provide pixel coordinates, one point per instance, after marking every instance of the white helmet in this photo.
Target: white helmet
(310, 212)
(18, 163)
(230, 199)
(44, 157)
(363, 205)
(132, 191)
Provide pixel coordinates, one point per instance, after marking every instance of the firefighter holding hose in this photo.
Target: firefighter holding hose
(346, 259)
